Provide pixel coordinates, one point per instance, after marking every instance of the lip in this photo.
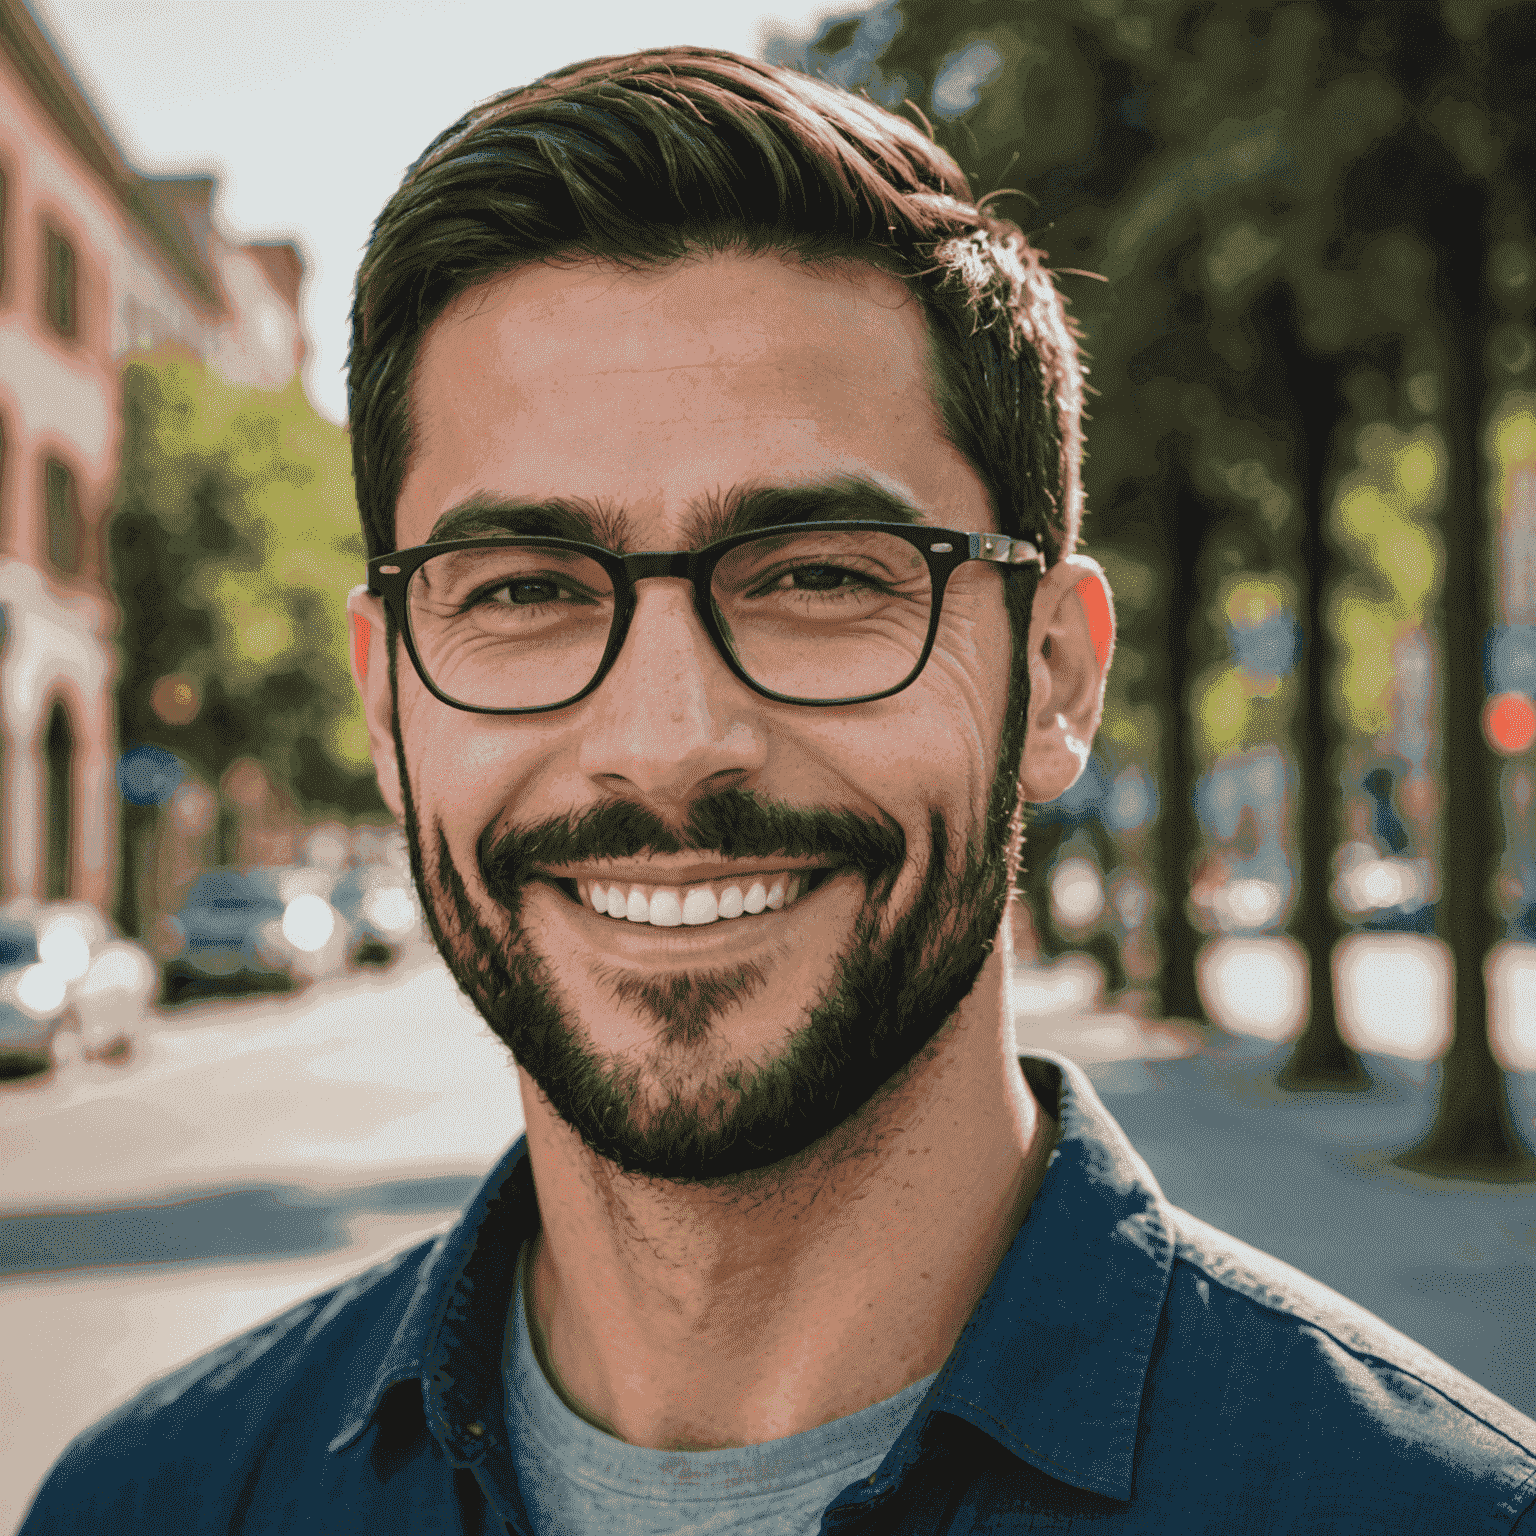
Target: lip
(657, 873)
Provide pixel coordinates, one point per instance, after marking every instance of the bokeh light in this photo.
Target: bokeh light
(120, 968)
(1509, 723)
(1394, 994)
(308, 923)
(40, 989)
(1077, 893)
(1254, 986)
(392, 908)
(65, 949)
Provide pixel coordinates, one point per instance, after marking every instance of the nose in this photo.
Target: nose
(670, 722)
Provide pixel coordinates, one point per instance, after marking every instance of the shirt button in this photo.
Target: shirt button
(476, 1429)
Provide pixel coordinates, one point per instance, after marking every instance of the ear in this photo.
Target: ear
(1071, 641)
(370, 673)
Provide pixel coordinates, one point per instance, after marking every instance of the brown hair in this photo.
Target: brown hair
(646, 159)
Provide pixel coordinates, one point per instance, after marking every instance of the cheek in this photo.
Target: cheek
(966, 714)
(967, 677)
(465, 770)
(932, 746)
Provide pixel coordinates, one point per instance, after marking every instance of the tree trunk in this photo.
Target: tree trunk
(1320, 1059)
(1474, 1133)
(137, 825)
(1178, 828)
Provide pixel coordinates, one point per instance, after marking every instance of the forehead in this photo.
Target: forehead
(647, 394)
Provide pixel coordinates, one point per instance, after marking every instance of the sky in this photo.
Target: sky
(308, 111)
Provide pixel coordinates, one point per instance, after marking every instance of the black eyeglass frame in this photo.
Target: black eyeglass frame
(945, 550)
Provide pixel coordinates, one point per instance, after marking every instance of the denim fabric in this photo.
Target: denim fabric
(1129, 1370)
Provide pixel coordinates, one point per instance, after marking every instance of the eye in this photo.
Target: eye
(528, 592)
(823, 578)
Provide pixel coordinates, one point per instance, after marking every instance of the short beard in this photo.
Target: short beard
(683, 1005)
(886, 1005)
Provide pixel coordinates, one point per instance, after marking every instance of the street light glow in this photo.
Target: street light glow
(1509, 723)
(308, 923)
(64, 948)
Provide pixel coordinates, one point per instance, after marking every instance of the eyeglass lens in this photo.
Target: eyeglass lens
(810, 614)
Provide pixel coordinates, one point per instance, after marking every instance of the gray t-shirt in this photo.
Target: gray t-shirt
(576, 1479)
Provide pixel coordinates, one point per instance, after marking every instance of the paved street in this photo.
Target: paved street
(265, 1150)
(252, 1153)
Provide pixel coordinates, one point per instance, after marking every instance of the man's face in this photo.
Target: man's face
(705, 1051)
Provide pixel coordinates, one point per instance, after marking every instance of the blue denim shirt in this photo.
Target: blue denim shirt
(1129, 1369)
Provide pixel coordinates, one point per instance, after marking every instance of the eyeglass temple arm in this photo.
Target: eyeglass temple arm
(1005, 551)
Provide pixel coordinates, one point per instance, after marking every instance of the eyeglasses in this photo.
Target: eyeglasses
(814, 613)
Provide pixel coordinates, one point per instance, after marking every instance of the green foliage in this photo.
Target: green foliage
(1384, 515)
(1235, 172)
(233, 543)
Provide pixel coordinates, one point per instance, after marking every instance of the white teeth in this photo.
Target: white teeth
(697, 906)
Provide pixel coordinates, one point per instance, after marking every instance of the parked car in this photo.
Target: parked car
(227, 938)
(68, 987)
(31, 1004)
(380, 911)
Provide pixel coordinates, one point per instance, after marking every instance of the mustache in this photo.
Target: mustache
(733, 823)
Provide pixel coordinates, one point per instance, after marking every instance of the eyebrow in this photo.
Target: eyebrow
(745, 509)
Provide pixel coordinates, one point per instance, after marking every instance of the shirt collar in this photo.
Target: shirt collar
(1054, 1359)
(1052, 1363)
(448, 1339)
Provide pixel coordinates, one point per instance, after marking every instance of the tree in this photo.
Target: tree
(1209, 159)
(233, 540)
(1458, 181)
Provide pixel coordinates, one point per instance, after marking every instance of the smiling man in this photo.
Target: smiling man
(718, 459)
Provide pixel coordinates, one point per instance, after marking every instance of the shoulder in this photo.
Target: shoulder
(1341, 1399)
(184, 1451)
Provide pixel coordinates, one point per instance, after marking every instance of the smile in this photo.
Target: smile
(696, 903)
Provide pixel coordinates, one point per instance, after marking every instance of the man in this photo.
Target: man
(719, 466)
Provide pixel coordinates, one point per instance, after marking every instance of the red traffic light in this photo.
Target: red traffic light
(1509, 723)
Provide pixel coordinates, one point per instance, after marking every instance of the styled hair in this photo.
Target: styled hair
(653, 157)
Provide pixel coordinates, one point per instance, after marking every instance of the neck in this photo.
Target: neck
(689, 1319)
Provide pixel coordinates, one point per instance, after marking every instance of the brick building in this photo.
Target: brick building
(96, 262)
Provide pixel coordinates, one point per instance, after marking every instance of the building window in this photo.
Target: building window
(59, 751)
(63, 518)
(61, 296)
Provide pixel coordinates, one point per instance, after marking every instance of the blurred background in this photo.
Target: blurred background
(1287, 917)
